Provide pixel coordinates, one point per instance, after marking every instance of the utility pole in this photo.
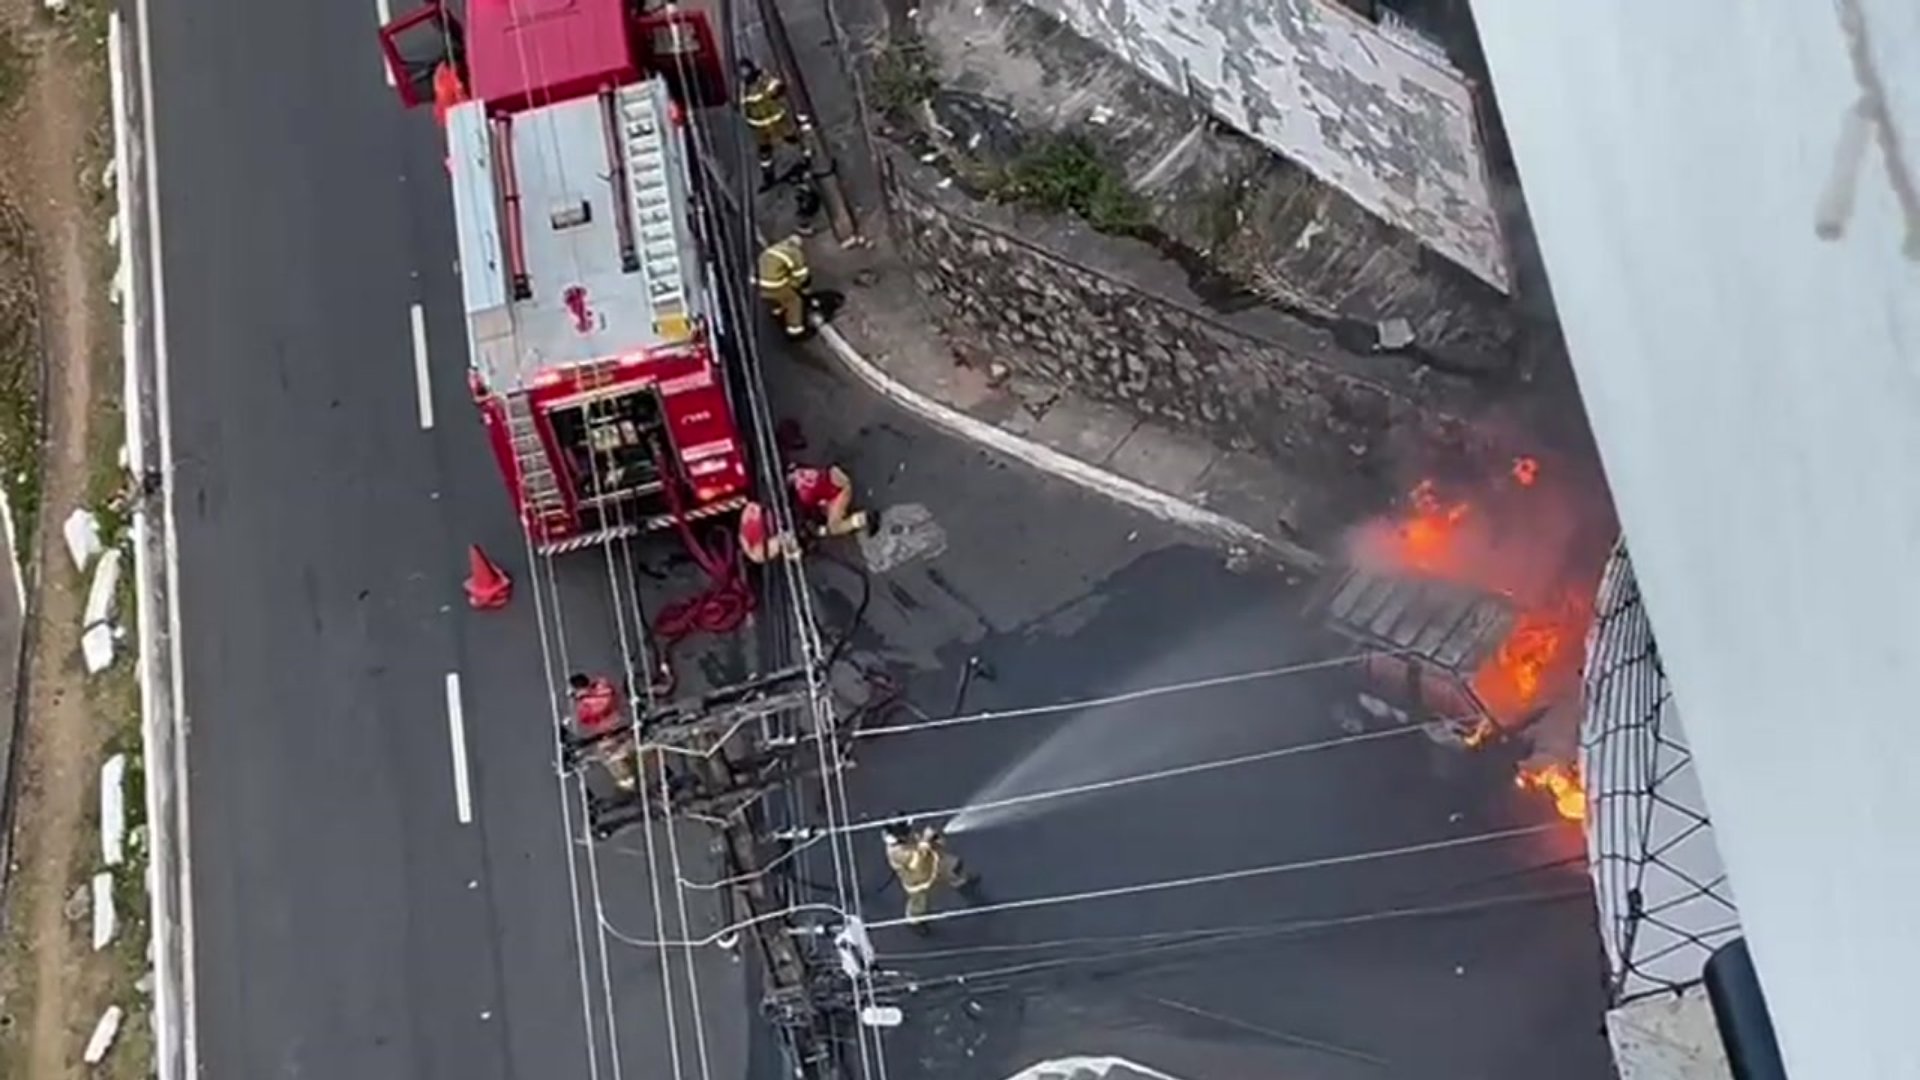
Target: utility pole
(825, 173)
(727, 767)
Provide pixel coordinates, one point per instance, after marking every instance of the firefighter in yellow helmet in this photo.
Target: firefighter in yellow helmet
(763, 101)
(784, 278)
(920, 859)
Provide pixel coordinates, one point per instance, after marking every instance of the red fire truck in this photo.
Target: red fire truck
(592, 308)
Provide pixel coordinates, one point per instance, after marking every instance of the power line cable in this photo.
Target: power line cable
(978, 980)
(1170, 773)
(1143, 694)
(1140, 888)
(1224, 876)
(566, 816)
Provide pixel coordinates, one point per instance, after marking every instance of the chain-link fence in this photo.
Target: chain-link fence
(1663, 896)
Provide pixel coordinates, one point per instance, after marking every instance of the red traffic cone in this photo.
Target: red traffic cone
(488, 586)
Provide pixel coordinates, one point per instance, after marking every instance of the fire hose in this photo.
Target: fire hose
(724, 604)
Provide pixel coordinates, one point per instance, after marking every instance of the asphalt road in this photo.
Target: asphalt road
(350, 925)
(1473, 962)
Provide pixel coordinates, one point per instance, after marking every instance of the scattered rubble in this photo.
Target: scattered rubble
(79, 903)
(96, 646)
(104, 589)
(113, 810)
(82, 532)
(106, 920)
(104, 1033)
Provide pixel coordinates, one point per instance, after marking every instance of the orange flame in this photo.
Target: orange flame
(1426, 538)
(1525, 471)
(1510, 682)
(1563, 783)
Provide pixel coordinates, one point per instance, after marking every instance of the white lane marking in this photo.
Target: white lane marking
(423, 380)
(384, 12)
(184, 1025)
(457, 734)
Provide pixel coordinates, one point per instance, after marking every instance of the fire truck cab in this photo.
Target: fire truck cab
(593, 315)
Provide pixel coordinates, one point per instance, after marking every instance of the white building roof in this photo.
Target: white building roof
(1390, 124)
(1734, 246)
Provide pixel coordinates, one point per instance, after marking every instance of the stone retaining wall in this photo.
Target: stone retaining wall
(1071, 326)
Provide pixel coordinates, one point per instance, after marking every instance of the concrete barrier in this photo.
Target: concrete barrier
(157, 615)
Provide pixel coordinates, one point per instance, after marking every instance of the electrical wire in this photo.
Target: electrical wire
(1257, 929)
(544, 565)
(1490, 836)
(1224, 876)
(566, 815)
(1173, 772)
(1143, 694)
(846, 877)
(981, 980)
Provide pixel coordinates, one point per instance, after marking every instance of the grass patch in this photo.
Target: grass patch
(903, 78)
(1068, 174)
(20, 365)
(15, 66)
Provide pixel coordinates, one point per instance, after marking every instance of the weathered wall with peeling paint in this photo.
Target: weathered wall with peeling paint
(1387, 125)
(1006, 71)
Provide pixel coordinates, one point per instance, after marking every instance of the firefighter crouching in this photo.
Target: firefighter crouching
(823, 498)
(920, 859)
(764, 105)
(596, 709)
(784, 280)
(826, 496)
(758, 542)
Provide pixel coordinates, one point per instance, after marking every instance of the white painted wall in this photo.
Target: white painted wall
(1756, 393)
(1387, 123)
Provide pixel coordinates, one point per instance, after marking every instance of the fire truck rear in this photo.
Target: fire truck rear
(592, 310)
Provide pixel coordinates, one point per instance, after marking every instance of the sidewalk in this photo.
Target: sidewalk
(888, 336)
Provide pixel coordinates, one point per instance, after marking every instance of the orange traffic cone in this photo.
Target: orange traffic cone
(488, 586)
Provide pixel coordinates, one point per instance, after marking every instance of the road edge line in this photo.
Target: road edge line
(1168, 508)
(162, 740)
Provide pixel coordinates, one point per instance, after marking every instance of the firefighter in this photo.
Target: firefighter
(827, 495)
(920, 859)
(764, 104)
(757, 544)
(596, 709)
(448, 91)
(784, 277)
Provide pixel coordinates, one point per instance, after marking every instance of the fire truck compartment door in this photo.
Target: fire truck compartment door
(679, 46)
(415, 44)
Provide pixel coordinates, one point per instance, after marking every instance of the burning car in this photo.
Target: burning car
(1465, 613)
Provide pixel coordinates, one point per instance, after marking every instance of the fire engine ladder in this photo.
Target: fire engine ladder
(650, 189)
(538, 486)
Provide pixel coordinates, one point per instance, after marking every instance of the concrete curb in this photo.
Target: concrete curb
(1168, 508)
(162, 740)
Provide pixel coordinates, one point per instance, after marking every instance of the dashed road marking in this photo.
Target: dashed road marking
(384, 12)
(457, 735)
(422, 375)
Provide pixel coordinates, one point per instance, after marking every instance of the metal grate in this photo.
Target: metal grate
(1662, 891)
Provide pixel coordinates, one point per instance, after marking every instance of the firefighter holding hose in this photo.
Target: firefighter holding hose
(920, 859)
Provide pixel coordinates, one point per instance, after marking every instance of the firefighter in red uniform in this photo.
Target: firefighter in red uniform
(596, 709)
(758, 543)
(827, 495)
